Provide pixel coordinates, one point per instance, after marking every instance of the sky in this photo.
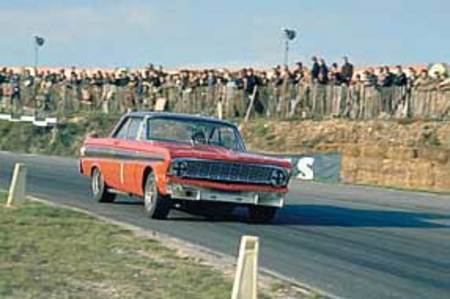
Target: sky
(232, 33)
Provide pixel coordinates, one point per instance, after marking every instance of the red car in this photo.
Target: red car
(183, 160)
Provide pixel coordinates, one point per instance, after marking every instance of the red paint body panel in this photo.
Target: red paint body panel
(124, 163)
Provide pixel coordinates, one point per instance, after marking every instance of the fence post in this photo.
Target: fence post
(220, 109)
(250, 105)
(245, 281)
(17, 188)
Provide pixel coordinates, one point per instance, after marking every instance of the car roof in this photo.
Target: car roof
(181, 116)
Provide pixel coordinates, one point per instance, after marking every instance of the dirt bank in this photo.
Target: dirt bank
(414, 155)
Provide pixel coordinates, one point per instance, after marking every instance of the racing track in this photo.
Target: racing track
(353, 242)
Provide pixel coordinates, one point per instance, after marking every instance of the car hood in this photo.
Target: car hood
(208, 152)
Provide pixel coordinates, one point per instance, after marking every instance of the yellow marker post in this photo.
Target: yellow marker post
(18, 183)
(245, 281)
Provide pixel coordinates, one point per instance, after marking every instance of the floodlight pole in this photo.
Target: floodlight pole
(286, 51)
(36, 55)
(289, 35)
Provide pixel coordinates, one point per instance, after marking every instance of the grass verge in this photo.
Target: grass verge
(50, 252)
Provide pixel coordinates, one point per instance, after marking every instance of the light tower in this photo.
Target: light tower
(289, 35)
(39, 41)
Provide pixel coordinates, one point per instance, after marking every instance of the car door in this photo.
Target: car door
(129, 149)
(112, 164)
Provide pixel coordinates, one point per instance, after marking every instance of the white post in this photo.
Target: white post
(250, 105)
(245, 281)
(17, 188)
(220, 110)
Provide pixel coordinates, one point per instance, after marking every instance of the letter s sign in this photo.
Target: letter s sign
(305, 168)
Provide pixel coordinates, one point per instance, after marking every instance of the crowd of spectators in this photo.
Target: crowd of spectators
(299, 89)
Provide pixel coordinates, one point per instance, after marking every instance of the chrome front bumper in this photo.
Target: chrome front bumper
(194, 193)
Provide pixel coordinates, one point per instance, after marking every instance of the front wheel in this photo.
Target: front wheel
(261, 214)
(99, 188)
(157, 206)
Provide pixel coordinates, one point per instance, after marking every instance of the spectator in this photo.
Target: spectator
(315, 69)
(298, 73)
(423, 79)
(346, 71)
(15, 95)
(370, 78)
(282, 91)
(211, 78)
(412, 77)
(400, 78)
(251, 81)
(276, 78)
(386, 78)
(336, 77)
(323, 72)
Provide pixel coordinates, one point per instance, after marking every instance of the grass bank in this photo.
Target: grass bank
(65, 140)
(49, 252)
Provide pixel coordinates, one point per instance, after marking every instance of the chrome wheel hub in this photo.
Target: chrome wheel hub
(96, 182)
(149, 196)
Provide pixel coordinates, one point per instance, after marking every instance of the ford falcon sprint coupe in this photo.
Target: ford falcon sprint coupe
(172, 160)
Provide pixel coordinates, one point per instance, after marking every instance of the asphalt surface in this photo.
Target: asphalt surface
(353, 242)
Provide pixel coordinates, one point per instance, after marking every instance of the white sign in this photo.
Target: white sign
(305, 168)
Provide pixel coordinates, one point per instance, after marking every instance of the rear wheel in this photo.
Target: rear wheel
(157, 206)
(99, 188)
(261, 214)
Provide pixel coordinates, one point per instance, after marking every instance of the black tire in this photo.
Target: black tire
(156, 205)
(261, 214)
(99, 189)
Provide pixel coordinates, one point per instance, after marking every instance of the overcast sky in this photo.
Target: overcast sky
(230, 33)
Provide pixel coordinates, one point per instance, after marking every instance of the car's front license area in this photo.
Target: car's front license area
(196, 193)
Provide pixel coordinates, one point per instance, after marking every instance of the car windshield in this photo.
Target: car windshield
(194, 132)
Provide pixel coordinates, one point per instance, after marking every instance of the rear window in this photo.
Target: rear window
(122, 131)
(129, 128)
(133, 128)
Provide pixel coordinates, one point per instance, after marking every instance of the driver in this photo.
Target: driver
(198, 137)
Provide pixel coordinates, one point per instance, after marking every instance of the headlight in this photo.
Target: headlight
(178, 168)
(278, 177)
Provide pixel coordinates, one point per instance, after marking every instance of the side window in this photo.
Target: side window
(214, 136)
(133, 128)
(228, 138)
(143, 132)
(122, 132)
(223, 136)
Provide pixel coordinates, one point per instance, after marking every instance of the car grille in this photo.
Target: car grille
(229, 172)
